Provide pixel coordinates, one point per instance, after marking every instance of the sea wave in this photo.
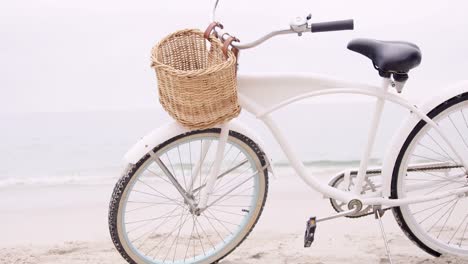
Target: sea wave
(111, 176)
(330, 163)
(57, 180)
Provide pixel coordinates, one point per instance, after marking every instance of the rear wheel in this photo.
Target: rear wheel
(426, 165)
(149, 221)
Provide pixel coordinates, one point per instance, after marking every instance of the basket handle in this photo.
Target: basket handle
(226, 45)
(210, 29)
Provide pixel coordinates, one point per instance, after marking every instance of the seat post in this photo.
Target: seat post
(379, 105)
(400, 80)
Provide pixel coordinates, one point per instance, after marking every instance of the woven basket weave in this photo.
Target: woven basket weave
(197, 83)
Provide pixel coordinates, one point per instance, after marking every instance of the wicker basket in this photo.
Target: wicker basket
(197, 82)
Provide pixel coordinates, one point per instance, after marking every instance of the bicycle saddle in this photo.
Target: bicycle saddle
(388, 56)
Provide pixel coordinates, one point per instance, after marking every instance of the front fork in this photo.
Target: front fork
(208, 189)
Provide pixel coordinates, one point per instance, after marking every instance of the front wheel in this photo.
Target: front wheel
(425, 165)
(150, 222)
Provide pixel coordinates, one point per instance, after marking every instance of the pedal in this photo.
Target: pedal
(309, 235)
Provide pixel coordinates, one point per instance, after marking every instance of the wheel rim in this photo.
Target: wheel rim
(441, 224)
(174, 235)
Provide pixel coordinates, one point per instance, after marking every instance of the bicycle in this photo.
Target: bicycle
(194, 196)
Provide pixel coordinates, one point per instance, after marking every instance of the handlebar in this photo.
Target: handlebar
(332, 26)
(299, 26)
(313, 28)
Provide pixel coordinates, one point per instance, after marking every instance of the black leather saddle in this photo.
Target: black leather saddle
(389, 57)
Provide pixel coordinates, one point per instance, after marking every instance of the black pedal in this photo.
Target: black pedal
(310, 232)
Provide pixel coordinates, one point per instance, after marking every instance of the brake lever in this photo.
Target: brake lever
(300, 24)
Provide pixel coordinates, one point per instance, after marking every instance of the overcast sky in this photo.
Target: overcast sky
(86, 55)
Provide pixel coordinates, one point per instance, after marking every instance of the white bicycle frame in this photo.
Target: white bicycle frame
(261, 95)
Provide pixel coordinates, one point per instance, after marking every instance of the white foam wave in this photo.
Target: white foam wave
(62, 180)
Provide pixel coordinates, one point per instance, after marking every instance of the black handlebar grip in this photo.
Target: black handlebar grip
(333, 26)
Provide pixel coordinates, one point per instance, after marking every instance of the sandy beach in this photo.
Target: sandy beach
(68, 224)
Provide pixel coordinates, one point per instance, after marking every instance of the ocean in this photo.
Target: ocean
(88, 146)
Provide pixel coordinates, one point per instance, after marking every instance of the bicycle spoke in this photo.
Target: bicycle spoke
(463, 237)
(212, 226)
(139, 208)
(431, 159)
(171, 199)
(181, 222)
(206, 235)
(155, 195)
(151, 232)
(410, 179)
(182, 167)
(438, 188)
(234, 195)
(166, 237)
(159, 176)
(438, 210)
(456, 230)
(219, 221)
(176, 241)
(231, 190)
(230, 166)
(458, 131)
(170, 163)
(190, 239)
(448, 217)
(198, 233)
(191, 164)
(230, 197)
(226, 212)
(154, 203)
(433, 151)
(237, 177)
(431, 206)
(145, 224)
(438, 176)
(227, 205)
(450, 208)
(464, 119)
(443, 150)
(226, 222)
(199, 170)
(148, 219)
(222, 175)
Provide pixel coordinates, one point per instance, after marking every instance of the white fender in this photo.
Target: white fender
(400, 137)
(172, 129)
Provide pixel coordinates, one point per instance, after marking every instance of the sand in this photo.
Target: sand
(68, 224)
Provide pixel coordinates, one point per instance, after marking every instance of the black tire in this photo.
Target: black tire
(395, 175)
(130, 171)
